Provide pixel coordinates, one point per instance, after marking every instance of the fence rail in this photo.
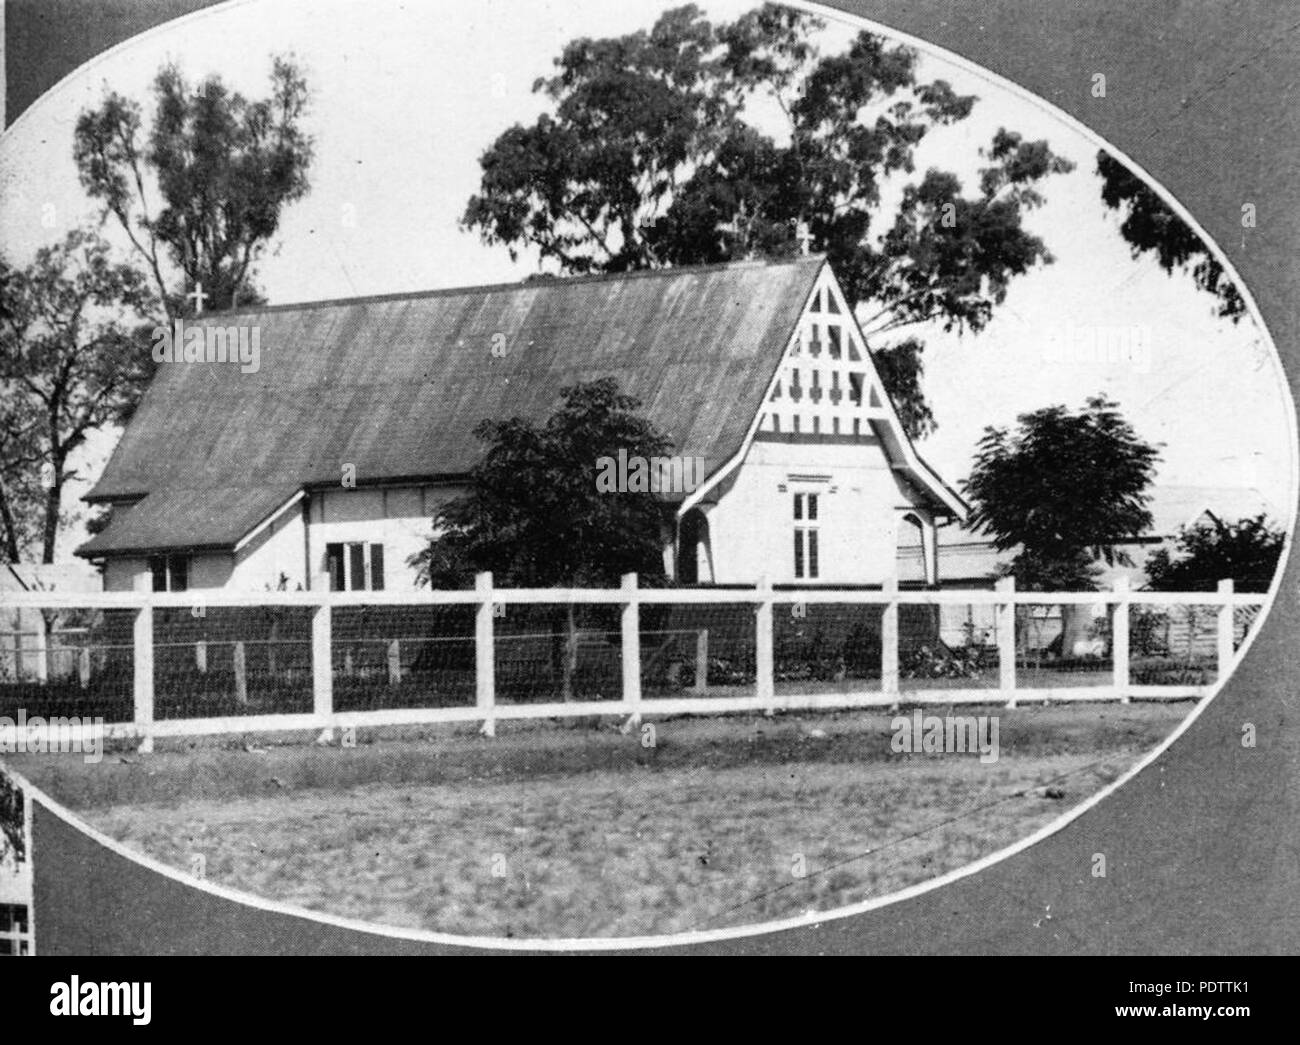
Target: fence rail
(212, 662)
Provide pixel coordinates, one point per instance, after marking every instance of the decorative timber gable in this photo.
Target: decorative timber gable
(826, 389)
(826, 385)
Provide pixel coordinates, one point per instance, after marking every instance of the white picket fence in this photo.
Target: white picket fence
(485, 599)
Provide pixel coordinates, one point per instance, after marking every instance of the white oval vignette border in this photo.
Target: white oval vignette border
(814, 919)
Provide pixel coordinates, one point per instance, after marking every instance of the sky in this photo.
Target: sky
(407, 96)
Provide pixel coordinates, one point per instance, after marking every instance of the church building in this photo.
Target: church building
(323, 465)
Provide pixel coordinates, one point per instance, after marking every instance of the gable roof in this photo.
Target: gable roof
(394, 385)
(1173, 507)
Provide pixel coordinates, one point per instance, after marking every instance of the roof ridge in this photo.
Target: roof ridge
(541, 284)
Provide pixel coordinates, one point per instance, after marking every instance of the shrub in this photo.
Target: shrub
(928, 662)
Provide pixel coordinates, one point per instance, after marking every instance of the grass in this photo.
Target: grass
(549, 831)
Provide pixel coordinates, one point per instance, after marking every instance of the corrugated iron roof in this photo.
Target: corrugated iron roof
(394, 385)
(211, 517)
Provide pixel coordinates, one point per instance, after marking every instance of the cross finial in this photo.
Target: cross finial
(199, 298)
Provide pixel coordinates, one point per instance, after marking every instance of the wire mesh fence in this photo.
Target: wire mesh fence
(698, 650)
(1178, 645)
(68, 661)
(827, 647)
(386, 657)
(1244, 619)
(556, 652)
(221, 662)
(1064, 645)
(950, 646)
(160, 666)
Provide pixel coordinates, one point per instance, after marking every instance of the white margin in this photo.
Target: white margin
(814, 920)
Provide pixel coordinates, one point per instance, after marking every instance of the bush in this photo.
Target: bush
(722, 672)
(1148, 631)
(942, 663)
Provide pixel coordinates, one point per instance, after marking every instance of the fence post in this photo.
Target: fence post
(1227, 629)
(83, 666)
(889, 642)
(631, 648)
(764, 666)
(702, 660)
(322, 670)
(394, 662)
(42, 649)
(485, 655)
(1119, 653)
(19, 653)
(201, 657)
(143, 694)
(1006, 627)
(241, 674)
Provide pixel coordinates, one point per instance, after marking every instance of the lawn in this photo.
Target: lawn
(552, 831)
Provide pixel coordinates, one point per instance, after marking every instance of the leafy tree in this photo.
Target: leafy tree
(1062, 489)
(534, 516)
(649, 157)
(72, 359)
(20, 462)
(1068, 571)
(1063, 482)
(1246, 551)
(12, 820)
(1151, 227)
(202, 196)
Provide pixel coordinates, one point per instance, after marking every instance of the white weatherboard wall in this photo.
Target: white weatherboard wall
(751, 528)
(292, 545)
(399, 518)
(126, 573)
(277, 552)
(817, 434)
(131, 572)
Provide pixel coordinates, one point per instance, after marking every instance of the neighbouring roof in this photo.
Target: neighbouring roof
(966, 555)
(1173, 507)
(394, 385)
(964, 560)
